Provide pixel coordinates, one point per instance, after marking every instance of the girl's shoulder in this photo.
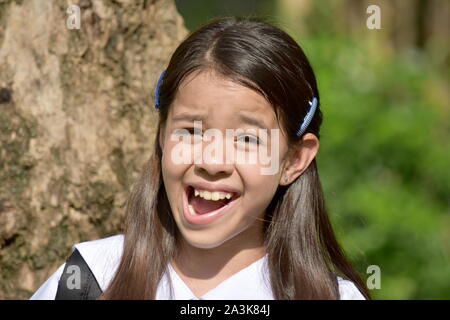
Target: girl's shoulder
(101, 251)
(102, 257)
(348, 290)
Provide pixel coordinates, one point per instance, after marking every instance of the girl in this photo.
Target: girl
(207, 228)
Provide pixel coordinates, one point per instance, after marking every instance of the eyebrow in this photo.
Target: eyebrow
(242, 117)
(188, 117)
(253, 121)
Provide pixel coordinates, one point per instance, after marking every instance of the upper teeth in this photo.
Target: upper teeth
(216, 195)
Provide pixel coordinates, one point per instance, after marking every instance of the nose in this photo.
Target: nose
(214, 169)
(213, 159)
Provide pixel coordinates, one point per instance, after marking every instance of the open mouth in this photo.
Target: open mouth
(202, 202)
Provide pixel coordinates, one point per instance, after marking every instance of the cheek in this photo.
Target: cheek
(259, 188)
(172, 172)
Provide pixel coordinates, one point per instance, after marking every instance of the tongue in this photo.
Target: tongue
(202, 206)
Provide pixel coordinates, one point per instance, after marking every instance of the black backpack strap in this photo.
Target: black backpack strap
(77, 281)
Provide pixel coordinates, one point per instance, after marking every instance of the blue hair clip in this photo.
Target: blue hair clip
(158, 84)
(308, 117)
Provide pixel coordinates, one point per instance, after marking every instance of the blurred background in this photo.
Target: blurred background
(75, 119)
(384, 159)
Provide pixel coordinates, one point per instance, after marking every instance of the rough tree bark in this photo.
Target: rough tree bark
(76, 124)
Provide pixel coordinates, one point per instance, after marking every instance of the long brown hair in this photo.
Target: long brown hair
(304, 257)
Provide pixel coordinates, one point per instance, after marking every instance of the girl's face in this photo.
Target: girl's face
(195, 187)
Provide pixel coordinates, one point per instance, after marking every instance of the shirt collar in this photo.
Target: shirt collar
(250, 283)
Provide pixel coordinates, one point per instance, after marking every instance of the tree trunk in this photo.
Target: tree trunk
(76, 124)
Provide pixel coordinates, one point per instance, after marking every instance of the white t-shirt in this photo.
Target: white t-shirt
(251, 283)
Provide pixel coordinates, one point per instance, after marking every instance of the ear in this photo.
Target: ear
(299, 159)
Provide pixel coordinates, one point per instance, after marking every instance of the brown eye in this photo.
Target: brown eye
(193, 131)
(249, 139)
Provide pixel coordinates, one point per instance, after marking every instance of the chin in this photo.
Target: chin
(203, 241)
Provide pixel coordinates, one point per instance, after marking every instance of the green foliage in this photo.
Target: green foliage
(384, 162)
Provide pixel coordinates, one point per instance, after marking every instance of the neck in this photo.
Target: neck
(222, 261)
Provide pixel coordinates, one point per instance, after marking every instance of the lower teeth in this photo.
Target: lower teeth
(191, 210)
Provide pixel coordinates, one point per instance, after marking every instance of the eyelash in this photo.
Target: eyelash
(255, 140)
(191, 131)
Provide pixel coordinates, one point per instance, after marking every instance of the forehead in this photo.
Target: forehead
(210, 95)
